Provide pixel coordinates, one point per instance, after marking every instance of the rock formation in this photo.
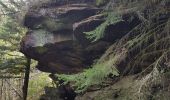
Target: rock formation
(56, 37)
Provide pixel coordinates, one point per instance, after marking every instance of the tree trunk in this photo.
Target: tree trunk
(26, 79)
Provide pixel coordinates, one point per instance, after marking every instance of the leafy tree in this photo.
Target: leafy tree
(11, 32)
(10, 35)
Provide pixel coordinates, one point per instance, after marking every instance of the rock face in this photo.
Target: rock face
(56, 36)
(51, 41)
(58, 18)
(128, 89)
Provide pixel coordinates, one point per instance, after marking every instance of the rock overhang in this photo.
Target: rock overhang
(57, 40)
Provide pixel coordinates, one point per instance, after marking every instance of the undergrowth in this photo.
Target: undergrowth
(94, 76)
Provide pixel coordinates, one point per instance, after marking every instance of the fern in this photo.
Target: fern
(98, 33)
(93, 76)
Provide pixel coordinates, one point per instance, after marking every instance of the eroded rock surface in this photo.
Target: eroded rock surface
(56, 36)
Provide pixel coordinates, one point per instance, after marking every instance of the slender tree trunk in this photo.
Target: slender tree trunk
(26, 79)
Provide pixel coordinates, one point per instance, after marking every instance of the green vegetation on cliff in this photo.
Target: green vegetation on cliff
(145, 49)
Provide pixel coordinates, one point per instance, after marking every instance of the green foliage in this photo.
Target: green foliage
(36, 85)
(148, 40)
(10, 34)
(93, 76)
(112, 18)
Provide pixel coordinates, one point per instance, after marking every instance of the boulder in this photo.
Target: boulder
(61, 57)
(56, 36)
